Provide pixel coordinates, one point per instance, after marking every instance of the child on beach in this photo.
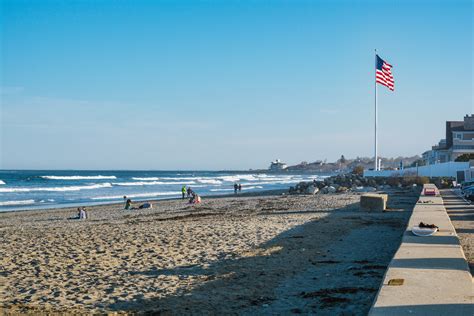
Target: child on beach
(128, 204)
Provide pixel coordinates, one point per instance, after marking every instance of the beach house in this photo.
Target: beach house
(459, 140)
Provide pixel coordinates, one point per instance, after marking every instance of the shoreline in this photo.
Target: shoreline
(115, 203)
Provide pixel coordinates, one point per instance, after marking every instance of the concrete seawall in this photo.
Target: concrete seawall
(436, 277)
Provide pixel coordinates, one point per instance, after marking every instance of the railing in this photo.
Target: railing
(447, 169)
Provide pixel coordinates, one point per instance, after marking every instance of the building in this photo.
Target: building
(438, 154)
(459, 140)
(277, 165)
(460, 137)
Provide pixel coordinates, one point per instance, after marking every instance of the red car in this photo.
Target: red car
(430, 191)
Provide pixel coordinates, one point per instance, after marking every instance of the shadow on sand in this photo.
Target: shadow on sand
(248, 284)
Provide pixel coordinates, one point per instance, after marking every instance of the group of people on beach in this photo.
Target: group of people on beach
(237, 187)
(194, 198)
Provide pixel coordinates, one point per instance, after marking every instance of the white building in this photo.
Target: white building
(277, 165)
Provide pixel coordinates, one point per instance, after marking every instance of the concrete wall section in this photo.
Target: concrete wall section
(436, 277)
(447, 169)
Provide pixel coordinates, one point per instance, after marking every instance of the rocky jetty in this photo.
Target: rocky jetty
(357, 183)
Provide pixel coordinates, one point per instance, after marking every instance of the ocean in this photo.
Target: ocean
(29, 189)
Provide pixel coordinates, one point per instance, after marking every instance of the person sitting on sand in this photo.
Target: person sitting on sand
(82, 213)
(195, 199)
(128, 204)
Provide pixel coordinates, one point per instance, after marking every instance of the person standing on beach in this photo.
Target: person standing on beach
(240, 187)
(183, 191)
(236, 187)
(189, 191)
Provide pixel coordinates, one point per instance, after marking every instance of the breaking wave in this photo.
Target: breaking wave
(99, 177)
(209, 181)
(149, 183)
(58, 189)
(24, 202)
(244, 188)
(1, 182)
(151, 194)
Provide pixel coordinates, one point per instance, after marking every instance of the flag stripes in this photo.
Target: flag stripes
(383, 74)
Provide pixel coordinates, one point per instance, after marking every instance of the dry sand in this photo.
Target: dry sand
(234, 255)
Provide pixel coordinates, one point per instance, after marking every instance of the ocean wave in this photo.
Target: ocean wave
(99, 177)
(146, 179)
(57, 189)
(48, 200)
(150, 183)
(150, 194)
(1, 182)
(243, 188)
(10, 203)
(236, 178)
(209, 181)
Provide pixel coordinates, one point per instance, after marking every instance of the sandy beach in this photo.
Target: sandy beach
(268, 254)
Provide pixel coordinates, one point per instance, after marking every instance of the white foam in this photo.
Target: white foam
(238, 177)
(10, 203)
(150, 194)
(146, 179)
(99, 177)
(243, 188)
(58, 189)
(150, 183)
(209, 181)
(1, 182)
(48, 200)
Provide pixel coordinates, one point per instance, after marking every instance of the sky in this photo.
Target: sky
(212, 85)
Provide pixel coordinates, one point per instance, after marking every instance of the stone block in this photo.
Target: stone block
(373, 202)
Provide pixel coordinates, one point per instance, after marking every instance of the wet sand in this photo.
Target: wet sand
(234, 255)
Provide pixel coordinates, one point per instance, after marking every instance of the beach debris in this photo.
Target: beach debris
(396, 282)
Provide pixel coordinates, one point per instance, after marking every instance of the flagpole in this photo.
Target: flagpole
(375, 149)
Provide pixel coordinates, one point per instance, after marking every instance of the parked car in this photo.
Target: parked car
(466, 184)
(469, 193)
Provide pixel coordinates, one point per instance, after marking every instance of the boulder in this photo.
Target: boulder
(342, 189)
(373, 202)
(331, 189)
(312, 189)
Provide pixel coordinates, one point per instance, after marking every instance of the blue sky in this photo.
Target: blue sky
(226, 84)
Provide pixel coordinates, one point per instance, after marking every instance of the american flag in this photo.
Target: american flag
(383, 73)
